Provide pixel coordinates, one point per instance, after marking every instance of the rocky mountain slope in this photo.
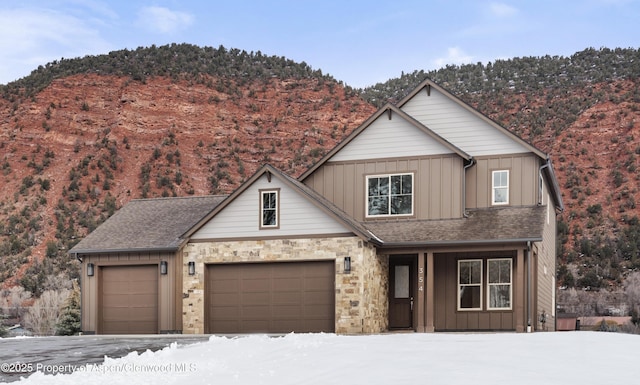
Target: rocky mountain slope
(79, 138)
(86, 144)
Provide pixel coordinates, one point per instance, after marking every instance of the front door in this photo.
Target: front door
(401, 292)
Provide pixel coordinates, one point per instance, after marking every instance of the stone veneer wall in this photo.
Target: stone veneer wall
(361, 296)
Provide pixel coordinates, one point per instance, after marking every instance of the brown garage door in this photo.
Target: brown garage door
(271, 297)
(129, 299)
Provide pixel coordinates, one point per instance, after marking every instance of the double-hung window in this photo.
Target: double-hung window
(390, 195)
(269, 210)
(470, 284)
(499, 282)
(500, 187)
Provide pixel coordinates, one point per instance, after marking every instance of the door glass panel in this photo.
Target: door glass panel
(402, 281)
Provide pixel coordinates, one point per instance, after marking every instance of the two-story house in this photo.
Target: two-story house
(428, 217)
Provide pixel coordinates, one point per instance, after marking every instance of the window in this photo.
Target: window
(269, 209)
(500, 187)
(499, 283)
(390, 195)
(470, 284)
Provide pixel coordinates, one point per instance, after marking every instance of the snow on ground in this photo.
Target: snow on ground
(504, 358)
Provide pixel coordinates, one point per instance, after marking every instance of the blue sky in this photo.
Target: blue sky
(358, 42)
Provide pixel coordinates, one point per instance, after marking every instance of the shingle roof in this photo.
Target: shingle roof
(148, 224)
(494, 225)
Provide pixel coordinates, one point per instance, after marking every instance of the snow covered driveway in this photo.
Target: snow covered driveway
(41, 352)
(505, 358)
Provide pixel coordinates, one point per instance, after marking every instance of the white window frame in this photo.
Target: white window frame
(490, 284)
(480, 285)
(366, 188)
(276, 208)
(494, 187)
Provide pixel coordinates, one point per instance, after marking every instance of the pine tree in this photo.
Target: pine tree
(69, 323)
(3, 327)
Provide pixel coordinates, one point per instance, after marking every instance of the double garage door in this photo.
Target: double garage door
(270, 297)
(129, 299)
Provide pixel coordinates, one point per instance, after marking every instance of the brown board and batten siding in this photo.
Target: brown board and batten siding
(446, 313)
(169, 318)
(523, 179)
(437, 184)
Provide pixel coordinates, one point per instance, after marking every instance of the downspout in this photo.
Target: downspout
(529, 294)
(464, 187)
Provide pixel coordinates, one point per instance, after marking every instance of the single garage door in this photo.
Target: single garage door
(129, 299)
(271, 297)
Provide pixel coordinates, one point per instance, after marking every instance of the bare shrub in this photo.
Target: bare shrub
(43, 316)
(12, 301)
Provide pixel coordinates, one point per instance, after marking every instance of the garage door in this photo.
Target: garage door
(271, 297)
(129, 299)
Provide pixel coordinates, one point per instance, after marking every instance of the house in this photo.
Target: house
(428, 217)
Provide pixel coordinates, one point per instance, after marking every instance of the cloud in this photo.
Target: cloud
(163, 20)
(34, 36)
(454, 56)
(502, 10)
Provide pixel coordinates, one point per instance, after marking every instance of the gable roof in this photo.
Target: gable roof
(148, 224)
(389, 109)
(312, 196)
(428, 84)
(492, 225)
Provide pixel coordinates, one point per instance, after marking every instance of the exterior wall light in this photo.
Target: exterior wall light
(192, 268)
(90, 269)
(163, 267)
(347, 265)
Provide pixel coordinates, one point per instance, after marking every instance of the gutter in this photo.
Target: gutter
(464, 187)
(546, 165)
(553, 184)
(130, 250)
(460, 242)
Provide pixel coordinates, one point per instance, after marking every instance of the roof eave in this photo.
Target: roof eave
(171, 249)
(468, 242)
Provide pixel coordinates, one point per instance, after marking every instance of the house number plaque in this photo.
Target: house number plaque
(421, 279)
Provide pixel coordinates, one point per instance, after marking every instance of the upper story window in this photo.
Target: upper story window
(269, 209)
(500, 187)
(390, 195)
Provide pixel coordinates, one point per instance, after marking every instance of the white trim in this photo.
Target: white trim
(501, 186)
(480, 284)
(379, 176)
(510, 283)
(276, 209)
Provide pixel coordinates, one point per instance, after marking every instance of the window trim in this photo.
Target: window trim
(493, 188)
(389, 175)
(481, 285)
(262, 193)
(489, 284)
